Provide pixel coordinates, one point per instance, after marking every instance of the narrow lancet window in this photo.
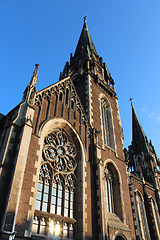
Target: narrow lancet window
(156, 217)
(109, 190)
(107, 125)
(142, 218)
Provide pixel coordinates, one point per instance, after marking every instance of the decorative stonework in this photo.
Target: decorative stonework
(57, 174)
(61, 87)
(60, 152)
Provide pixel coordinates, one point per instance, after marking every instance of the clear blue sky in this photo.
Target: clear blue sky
(125, 33)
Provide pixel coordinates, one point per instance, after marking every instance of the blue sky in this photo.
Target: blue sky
(125, 33)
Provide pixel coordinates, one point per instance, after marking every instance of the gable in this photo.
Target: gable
(56, 95)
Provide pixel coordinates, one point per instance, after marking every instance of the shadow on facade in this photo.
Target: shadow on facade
(20, 231)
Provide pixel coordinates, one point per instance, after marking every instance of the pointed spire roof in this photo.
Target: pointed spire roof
(85, 41)
(34, 77)
(30, 91)
(139, 139)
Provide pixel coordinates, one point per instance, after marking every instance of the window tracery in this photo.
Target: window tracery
(142, 218)
(156, 217)
(55, 193)
(108, 135)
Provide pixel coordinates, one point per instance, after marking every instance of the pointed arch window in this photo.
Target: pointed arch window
(109, 190)
(55, 193)
(107, 124)
(112, 190)
(156, 217)
(142, 218)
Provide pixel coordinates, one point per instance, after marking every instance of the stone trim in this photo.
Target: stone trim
(48, 126)
(60, 87)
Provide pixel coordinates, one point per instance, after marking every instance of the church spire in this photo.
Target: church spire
(85, 43)
(139, 139)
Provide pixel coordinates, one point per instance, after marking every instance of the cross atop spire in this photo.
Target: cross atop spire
(85, 18)
(130, 99)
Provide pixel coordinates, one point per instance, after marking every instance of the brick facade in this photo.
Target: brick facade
(82, 106)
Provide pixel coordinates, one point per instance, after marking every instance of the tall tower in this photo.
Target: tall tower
(95, 88)
(143, 164)
(70, 178)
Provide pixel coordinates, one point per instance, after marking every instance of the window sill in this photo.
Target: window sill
(43, 237)
(54, 216)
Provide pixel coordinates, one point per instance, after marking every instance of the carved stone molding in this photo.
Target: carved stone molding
(60, 87)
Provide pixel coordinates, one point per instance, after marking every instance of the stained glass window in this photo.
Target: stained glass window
(55, 193)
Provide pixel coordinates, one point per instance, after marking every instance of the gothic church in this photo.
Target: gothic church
(64, 172)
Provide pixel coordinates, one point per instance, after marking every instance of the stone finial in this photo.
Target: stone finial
(34, 77)
(30, 91)
(85, 18)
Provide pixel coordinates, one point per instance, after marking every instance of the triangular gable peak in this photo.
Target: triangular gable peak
(59, 90)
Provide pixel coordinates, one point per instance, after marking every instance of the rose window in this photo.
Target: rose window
(59, 151)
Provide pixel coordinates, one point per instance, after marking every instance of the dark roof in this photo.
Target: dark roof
(85, 42)
(139, 139)
(1, 115)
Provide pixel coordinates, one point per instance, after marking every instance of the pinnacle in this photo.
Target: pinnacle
(85, 42)
(138, 136)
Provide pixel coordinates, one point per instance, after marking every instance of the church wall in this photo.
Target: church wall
(17, 150)
(106, 152)
(43, 111)
(147, 191)
(52, 106)
(30, 180)
(138, 185)
(97, 94)
(24, 219)
(83, 108)
(81, 90)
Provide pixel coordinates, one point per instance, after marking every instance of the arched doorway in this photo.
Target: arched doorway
(119, 238)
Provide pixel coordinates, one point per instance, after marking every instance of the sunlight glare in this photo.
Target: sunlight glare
(57, 229)
(51, 226)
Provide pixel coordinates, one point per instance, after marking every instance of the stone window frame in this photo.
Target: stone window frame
(141, 213)
(107, 123)
(155, 213)
(80, 186)
(117, 193)
(119, 235)
(109, 190)
(44, 218)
